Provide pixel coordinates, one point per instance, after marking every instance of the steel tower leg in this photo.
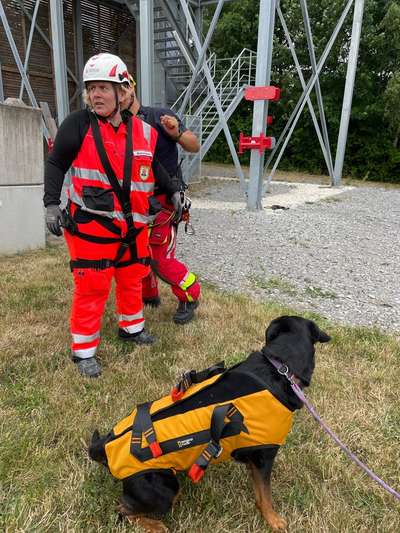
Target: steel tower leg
(59, 59)
(266, 23)
(348, 91)
(146, 52)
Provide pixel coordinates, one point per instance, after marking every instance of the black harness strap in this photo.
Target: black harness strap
(219, 428)
(96, 264)
(143, 425)
(191, 376)
(122, 193)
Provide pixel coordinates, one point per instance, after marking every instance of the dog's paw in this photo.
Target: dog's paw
(151, 526)
(276, 523)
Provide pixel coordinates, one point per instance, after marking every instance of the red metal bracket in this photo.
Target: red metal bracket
(260, 143)
(262, 93)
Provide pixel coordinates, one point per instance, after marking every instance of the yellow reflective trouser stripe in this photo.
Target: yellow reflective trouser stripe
(187, 281)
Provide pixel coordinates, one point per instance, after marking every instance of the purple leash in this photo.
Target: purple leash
(284, 371)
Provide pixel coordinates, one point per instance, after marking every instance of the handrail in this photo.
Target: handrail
(244, 59)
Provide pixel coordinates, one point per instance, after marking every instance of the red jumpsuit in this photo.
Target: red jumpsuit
(163, 234)
(184, 284)
(98, 224)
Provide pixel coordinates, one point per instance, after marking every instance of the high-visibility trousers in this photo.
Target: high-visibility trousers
(184, 284)
(92, 287)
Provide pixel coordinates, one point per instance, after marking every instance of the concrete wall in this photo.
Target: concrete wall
(21, 179)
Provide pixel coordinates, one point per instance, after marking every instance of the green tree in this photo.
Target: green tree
(372, 148)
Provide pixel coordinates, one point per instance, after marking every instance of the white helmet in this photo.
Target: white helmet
(105, 67)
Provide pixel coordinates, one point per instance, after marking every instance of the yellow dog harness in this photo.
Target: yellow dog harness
(192, 427)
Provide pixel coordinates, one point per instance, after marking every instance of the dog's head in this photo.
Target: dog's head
(291, 339)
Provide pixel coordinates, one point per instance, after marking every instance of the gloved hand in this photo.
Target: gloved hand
(54, 219)
(178, 201)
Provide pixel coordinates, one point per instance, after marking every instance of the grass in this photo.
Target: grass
(47, 414)
(317, 292)
(280, 284)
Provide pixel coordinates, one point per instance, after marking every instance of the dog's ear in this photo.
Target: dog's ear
(95, 436)
(317, 334)
(277, 326)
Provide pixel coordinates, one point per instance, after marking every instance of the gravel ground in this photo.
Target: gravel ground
(332, 251)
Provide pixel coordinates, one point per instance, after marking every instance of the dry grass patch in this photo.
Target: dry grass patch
(47, 414)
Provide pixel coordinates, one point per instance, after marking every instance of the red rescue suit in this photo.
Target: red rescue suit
(163, 235)
(96, 227)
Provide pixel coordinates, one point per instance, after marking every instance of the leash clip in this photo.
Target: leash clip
(284, 371)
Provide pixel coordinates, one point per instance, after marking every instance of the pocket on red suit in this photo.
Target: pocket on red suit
(160, 231)
(98, 199)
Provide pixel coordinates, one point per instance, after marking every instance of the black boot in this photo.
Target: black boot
(143, 337)
(185, 312)
(89, 368)
(152, 302)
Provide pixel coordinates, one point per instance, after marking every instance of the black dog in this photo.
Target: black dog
(150, 490)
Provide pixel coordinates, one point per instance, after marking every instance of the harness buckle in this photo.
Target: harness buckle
(215, 449)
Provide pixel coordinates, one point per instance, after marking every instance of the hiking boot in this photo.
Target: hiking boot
(185, 312)
(152, 302)
(89, 367)
(143, 337)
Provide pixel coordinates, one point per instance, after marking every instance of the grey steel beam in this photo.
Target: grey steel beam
(266, 24)
(303, 84)
(348, 91)
(311, 51)
(202, 54)
(1, 87)
(59, 59)
(294, 117)
(20, 66)
(78, 42)
(216, 100)
(28, 48)
(146, 51)
(183, 49)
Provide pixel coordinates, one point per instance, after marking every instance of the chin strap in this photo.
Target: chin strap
(283, 370)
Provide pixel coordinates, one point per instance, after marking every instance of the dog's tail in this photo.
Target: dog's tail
(96, 448)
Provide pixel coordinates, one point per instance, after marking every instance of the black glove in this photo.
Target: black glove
(178, 200)
(54, 219)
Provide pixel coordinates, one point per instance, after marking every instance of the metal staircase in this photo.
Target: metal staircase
(231, 76)
(173, 46)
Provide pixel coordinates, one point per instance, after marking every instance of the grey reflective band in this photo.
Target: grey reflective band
(91, 174)
(143, 219)
(134, 328)
(85, 353)
(136, 316)
(80, 339)
(147, 132)
(142, 186)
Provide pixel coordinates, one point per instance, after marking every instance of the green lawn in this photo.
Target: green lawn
(47, 414)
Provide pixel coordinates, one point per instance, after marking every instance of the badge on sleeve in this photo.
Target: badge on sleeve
(144, 172)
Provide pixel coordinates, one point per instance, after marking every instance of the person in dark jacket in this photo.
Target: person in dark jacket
(169, 192)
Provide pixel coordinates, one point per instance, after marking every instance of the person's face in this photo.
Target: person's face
(127, 94)
(102, 97)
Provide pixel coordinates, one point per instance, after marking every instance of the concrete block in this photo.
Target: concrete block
(21, 146)
(22, 224)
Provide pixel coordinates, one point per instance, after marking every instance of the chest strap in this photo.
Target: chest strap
(220, 427)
